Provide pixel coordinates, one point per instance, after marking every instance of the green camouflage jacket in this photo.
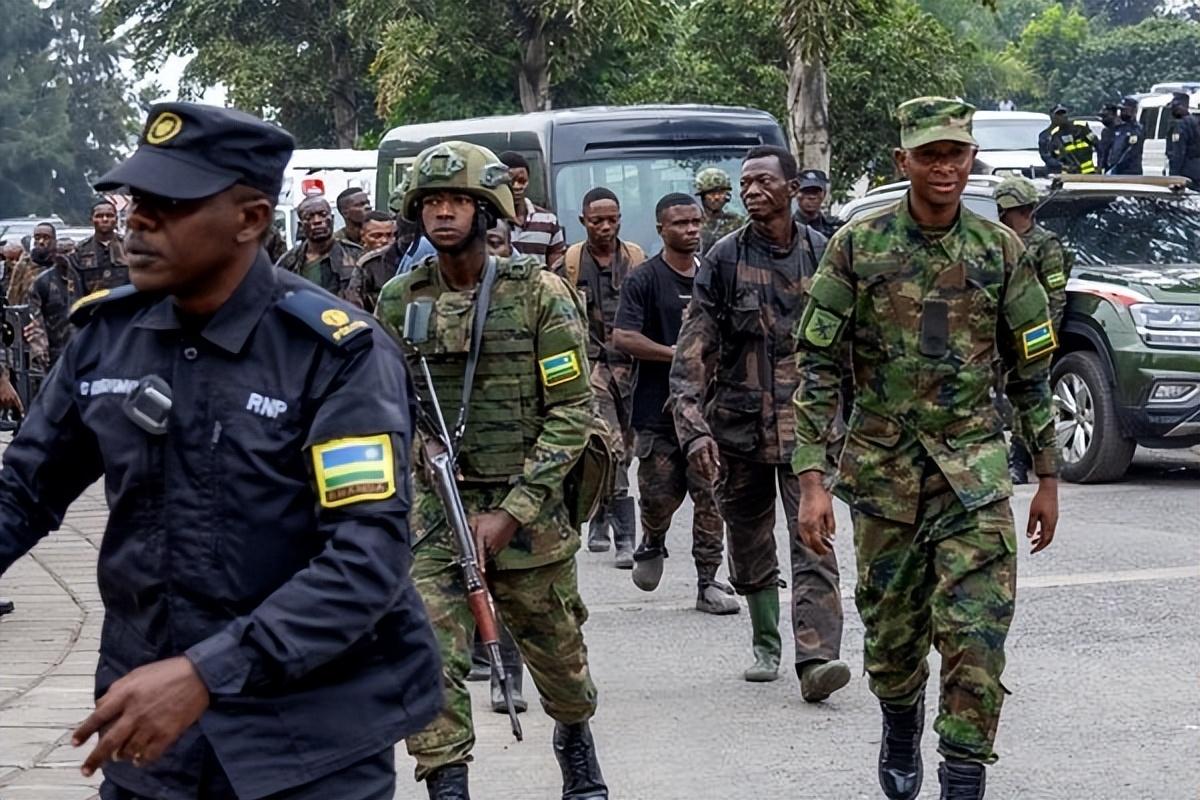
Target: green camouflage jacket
(332, 273)
(102, 265)
(531, 406)
(1053, 264)
(923, 325)
(717, 225)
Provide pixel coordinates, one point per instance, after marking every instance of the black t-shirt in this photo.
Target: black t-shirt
(653, 299)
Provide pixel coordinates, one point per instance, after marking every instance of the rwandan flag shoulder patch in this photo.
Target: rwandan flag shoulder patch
(561, 368)
(353, 470)
(1038, 340)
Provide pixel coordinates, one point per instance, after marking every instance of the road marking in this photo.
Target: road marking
(1118, 576)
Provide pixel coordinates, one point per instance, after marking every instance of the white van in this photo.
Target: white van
(324, 172)
(1155, 115)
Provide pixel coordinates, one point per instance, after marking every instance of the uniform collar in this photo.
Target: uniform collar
(232, 324)
(950, 242)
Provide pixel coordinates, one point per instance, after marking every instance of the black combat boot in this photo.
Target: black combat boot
(900, 768)
(448, 783)
(6, 606)
(480, 668)
(598, 528)
(514, 668)
(623, 516)
(576, 755)
(648, 562)
(962, 780)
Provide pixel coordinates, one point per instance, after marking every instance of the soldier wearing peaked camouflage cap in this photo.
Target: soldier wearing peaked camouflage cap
(713, 187)
(916, 302)
(925, 120)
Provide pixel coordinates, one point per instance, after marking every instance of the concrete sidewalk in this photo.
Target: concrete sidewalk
(48, 658)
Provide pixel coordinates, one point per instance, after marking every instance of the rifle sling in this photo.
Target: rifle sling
(482, 303)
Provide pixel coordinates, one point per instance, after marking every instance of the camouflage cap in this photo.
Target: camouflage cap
(934, 119)
(1016, 191)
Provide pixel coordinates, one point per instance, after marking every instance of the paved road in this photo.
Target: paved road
(1102, 664)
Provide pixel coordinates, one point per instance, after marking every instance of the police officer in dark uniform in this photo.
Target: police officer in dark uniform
(810, 201)
(1108, 118)
(262, 637)
(1183, 142)
(1125, 157)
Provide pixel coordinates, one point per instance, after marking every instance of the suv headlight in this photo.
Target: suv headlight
(1167, 325)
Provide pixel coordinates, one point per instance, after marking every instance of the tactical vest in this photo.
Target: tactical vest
(504, 416)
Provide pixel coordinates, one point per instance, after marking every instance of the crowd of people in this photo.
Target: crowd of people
(283, 597)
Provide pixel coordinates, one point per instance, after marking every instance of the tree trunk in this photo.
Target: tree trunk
(808, 114)
(533, 82)
(342, 85)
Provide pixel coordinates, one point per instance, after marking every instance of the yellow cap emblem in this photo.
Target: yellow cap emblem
(335, 317)
(166, 126)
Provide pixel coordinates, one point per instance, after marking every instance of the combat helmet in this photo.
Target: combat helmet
(1016, 191)
(459, 167)
(711, 179)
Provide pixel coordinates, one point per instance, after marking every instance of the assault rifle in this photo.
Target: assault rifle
(437, 450)
(24, 375)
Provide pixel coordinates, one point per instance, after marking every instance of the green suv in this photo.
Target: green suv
(1127, 371)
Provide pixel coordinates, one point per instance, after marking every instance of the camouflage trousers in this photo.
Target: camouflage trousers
(950, 580)
(542, 609)
(746, 494)
(665, 477)
(612, 391)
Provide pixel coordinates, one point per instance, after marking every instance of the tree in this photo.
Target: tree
(1050, 46)
(526, 47)
(68, 114)
(303, 63)
(1131, 59)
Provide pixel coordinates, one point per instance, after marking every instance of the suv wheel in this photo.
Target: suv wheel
(1089, 438)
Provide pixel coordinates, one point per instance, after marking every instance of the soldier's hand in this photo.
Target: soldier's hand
(493, 531)
(705, 458)
(1043, 515)
(143, 714)
(9, 399)
(815, 517)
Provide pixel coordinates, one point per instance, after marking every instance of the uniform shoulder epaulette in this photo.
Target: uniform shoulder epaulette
(367, 255)
(85, 308)
(518, 268)
(331, 323)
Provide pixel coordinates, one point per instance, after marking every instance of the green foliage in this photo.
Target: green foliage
(1050, 46)
(1130, 59)
(278, 59)
(68, 113)
(904, 53)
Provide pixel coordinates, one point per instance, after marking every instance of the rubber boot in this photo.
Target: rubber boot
(962, 780)
(575, 752)
(623, 518)
(764, 621)
(598, 529)
(514, 667)
(900, 769)
(1019, 462)
(448, 783)
(481, 670)
(819, 679)
(648, 563)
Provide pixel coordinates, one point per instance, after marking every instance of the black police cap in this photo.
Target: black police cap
(189, 150)
(813, 179)
(1180, 99)
(1129, 102)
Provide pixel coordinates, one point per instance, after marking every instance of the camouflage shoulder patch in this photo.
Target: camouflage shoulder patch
(560, 368)
(353, 470)
(820, 327)
(1038, 340)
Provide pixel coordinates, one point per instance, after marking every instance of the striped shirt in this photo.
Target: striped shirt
(541, 236)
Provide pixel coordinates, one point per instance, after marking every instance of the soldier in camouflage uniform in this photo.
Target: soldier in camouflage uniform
(1016, 201)
(919, 300)
(50, 297)
(101, 256)
(597, 267)
(714, 188)
(319, 257)
(530, 415)
(731, 386)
